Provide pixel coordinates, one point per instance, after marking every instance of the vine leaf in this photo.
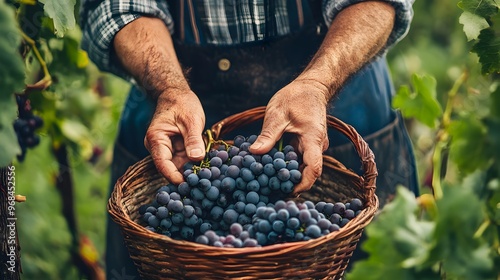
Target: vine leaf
(469, 148)
(482, 8)
(403, 254)
(420, 104)
(11, 80)
(62, 13)
(473, 24)
(487, 47)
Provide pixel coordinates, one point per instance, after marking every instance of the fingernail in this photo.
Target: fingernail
(257, 145)
(195, 153)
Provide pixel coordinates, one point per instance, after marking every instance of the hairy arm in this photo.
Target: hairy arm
(355, 36)
(145, 49)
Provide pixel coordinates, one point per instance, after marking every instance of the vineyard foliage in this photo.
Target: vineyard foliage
(447, 75)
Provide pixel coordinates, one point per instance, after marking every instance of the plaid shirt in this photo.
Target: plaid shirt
(211, 22)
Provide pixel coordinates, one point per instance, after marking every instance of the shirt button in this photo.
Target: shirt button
(224, 64)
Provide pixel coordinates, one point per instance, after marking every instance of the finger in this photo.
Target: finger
(272, 130)
(313, 166)
(162, 157)
(193, 141)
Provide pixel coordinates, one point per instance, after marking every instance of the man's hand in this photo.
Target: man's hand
(145, 49)
(298, 108)
(356, 35)
(174, 135)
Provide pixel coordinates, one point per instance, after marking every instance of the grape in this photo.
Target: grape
(251, 139)
(239, 207)
(175, 196)
(252, 197)
(257, 168)
(216, 213)
(339, 208)
(228, 184)
(269, 169)
(177, 218)
(204, 184)
(191, 221)
(216, 162)
(232, 171)
(233, 151)
(205, 173)
(343, 222)
(274, 183)
(146, 216)
(320, 206)
(279, 163)
(335, 218)
(292, 165)
(230, 216)
(283, 174)
(184, 188)
(212, 193)
(356, 204)
(264, 226)
(286, 187)
(313, 231)
(265, 159)
(238, 140)
(153, 221)
(197, 194)
(278, 226)
(187, 233)
(215, 173)
(223, 155)
(175, 205)
(293, 223)
(253, 186)
(162, 212)
(152, 210)
(282, 215)
(192, 180)
(166, 223)
(349, 214)
(250, 209)
(291, 156)
(246, 174)
(237, 161)
(202, 239)
(162, 198)
(236, 229)
(287, 149)
(188, 211)
(295, 176)
(279, 155)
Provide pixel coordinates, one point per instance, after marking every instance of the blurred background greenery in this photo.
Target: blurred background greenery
(435, 45)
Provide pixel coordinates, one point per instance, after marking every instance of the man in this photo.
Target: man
(196, 62)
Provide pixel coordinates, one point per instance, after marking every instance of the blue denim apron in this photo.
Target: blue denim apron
(364, 102)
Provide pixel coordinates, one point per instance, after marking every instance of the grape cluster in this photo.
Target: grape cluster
(234, 198)
(25, 126)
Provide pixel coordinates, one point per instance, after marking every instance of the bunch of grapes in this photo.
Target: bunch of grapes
(234, 198)
(26, 125)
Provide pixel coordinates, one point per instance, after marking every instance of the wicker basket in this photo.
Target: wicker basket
(160, 257)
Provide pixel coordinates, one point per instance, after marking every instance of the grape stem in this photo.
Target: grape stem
(443, 138)
(46, 81)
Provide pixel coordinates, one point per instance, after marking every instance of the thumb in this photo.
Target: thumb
(270, 134)
(193, 142)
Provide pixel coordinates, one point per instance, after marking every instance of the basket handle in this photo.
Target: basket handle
(365, 153)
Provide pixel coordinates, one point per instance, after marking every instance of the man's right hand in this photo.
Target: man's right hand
(174, 136)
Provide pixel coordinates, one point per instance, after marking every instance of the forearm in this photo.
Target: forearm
(145, 49)
(356, 35)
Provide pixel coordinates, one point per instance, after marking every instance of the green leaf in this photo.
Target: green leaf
(461, 212)
(62, 13)
(12, 66)
(469, 145)
(9, 147)
(11, 81)
(473, 24)
(482, 8)
(488, 47)
(398, 243)
(420, 104)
